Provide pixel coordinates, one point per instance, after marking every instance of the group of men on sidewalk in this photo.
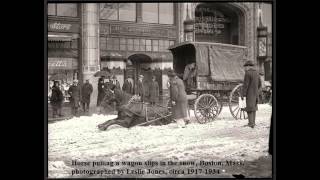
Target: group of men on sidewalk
(78, 96)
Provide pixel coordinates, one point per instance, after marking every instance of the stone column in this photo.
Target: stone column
(90, 46)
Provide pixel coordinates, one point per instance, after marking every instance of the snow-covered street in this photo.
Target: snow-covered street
(223, 139)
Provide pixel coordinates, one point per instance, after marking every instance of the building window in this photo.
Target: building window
(162, 13)
(122, 44)
(52, 10)
(103, 43)
(109, 11)
(67, 9)
(150, 12)
(130, 44)
(166, 45)
(148, 45)
(142, 45)
(109, 43)
(136, 45)
(116, 43)
(166, 13)
(155, 45)
(127, 12)
(63, 9)
(118, 11)
(171, 43)
(113, 44)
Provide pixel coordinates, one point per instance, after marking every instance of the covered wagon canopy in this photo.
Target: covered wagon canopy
(220, 62)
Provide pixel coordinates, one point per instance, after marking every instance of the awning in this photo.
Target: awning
(105, 56)
(61, 38)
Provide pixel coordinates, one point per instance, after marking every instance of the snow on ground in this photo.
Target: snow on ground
(223, 139)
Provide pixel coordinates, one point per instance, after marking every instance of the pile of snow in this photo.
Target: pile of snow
(224, 138)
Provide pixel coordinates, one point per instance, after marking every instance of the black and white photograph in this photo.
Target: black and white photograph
(160, 89)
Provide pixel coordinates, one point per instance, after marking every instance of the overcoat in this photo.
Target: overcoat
(56, 98)
(179, 95)
(101, 93)
(250, 89)
(86, 92)
(74, 92)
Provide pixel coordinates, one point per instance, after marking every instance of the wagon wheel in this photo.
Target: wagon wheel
(206, 108)
(236, 112)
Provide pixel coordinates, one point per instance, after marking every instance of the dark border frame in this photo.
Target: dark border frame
(273, 119)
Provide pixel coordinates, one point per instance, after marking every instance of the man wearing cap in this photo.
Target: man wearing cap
(179, 100)
(250, 90)
(74, 92)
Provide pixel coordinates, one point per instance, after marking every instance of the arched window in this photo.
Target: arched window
(219, 22)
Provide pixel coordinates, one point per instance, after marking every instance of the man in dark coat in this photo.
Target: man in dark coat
(86, 93)
(101, 92)
(141, 89)
(179, 99)
(250, 90)
(153, 91)
(127, 86)
(56, 99)
(74, 92)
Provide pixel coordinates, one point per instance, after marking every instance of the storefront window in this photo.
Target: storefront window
(166, 13)
(148, 45)
(52, 9)
(142, 44)
(109, 11)
(130, 44)
(127, 11)
(150, 12)
(155, 45)
(122, 44)
(136, 45)
(67, 9)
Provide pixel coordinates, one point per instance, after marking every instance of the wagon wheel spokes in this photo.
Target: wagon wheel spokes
(206, 108)
(234, 103)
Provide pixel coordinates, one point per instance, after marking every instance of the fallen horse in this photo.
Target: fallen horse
(132, 111)
(139, 114)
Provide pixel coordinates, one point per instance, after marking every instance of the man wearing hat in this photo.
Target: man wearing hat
(140, 89)
(250, 90)
(86, 92)
(56, 99)
(178, 97)
(74, 92)
(115, 82)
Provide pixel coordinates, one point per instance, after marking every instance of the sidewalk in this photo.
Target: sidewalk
(66, 112)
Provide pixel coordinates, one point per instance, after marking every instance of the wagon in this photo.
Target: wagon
(218, 78)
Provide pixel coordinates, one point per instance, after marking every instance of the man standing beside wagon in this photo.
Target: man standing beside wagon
(250, 90)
